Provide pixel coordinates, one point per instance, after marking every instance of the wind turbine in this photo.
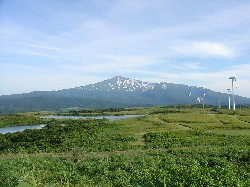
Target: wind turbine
(203, 100)
(233, 79)
(229, 91)
(190, 99)
(199, 99)
(219, 100)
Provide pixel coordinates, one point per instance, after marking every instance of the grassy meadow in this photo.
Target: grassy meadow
(169, 146)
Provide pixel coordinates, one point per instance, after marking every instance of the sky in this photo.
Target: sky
(59, 44)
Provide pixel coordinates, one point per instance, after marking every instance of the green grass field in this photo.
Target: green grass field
(169, 146)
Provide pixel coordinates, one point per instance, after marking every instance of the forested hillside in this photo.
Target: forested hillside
(115, 92)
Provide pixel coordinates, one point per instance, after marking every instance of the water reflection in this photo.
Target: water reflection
(5, 130)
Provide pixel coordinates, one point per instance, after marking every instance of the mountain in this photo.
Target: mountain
(115, 92)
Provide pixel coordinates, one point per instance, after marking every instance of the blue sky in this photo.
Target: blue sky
(51, 45)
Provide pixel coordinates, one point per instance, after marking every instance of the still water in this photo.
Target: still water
(5, 130)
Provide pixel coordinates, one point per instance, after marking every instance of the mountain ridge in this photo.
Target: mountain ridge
(115, 92)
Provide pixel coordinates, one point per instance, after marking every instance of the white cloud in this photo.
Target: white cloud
(129, 60)
(188, 66)
(46, 47)
(111, 64)
(241, 70)
(202, 49)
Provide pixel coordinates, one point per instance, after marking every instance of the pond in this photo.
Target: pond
(5, 130)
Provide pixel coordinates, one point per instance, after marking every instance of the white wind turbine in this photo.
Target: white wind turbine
(199, 99)
(233, 80)
(190, 94)
(229, 91)
(203, 100)
(219, 100)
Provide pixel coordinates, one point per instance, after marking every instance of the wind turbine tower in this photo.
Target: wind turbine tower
(219, 100)
(203, 100)
(233, 79)
(229, 91)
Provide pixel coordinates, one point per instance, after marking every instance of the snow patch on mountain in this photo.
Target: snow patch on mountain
(123, 84)
(132, 84)
(164, 86)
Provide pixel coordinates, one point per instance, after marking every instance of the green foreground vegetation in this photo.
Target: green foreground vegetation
(169, 146)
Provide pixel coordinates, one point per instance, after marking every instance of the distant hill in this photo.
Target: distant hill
(115, 92)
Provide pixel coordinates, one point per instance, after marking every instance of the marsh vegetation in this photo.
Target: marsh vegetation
(170, 146)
